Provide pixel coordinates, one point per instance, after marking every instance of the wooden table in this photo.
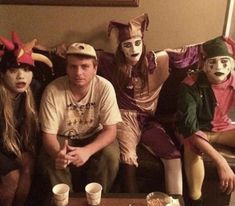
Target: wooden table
(114, 199)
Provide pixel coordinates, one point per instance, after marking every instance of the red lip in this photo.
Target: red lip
(20, 85)
(134, 55)
(219, 73)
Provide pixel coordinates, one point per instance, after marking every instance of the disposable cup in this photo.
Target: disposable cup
(93, 193)
(61, 194)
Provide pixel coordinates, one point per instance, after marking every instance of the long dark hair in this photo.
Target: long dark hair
(11, 137)
(120, 74)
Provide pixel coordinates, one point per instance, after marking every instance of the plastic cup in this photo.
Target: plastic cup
(93, 193)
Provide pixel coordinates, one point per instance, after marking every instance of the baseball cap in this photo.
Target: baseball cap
(83, 49)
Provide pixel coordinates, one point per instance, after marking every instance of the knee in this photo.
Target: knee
(111, 159)
(27, 170)
(129, 159)
(195, 194)
(191, 156)
(27, 164)
(10, 181)
(172, 164)
(110, 156)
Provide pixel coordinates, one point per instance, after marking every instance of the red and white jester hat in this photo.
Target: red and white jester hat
(16, 54)
(134, 28)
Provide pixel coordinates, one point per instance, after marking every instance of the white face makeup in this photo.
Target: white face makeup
(218, 68)
(17, 80)
(132, 49)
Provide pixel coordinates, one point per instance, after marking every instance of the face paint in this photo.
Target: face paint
(132, 49)
(17, 80)
(218, 68)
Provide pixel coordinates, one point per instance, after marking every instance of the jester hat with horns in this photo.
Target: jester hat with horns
(134, 28)
(15, 54)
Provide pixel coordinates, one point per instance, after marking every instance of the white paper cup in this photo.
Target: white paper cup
(61, 202)
(93, 193)
(61, 194)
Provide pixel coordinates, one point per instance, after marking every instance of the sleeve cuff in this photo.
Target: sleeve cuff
(201, 134)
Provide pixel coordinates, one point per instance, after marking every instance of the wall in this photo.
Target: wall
(173, 23)
(232, 29)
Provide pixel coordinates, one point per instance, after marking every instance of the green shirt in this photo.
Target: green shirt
(196, 104)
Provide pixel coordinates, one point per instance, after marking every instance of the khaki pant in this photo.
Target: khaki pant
(102, 167)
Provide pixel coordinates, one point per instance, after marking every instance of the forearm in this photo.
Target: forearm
(208, 149)
(51, 144)
(104, 138)
(226, 174)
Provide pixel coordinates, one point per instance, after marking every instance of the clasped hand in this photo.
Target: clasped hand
(71, 155)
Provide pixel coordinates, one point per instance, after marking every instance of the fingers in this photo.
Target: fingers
(63, 161)
(231, 185)
(72, 153)
(78, 163)
(228, 186)
(64, 158)
(70, 148)
(65, 146)
(224, 185)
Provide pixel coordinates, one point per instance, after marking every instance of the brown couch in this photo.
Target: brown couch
(150, 173)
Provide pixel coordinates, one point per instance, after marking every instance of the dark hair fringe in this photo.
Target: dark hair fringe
(140, 69)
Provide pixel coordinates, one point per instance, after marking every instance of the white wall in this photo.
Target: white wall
(173, 23)
(232, 29)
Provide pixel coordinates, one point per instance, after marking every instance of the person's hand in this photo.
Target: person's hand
(62, 160)
(60, 50)
(227, 177)
(80, 155)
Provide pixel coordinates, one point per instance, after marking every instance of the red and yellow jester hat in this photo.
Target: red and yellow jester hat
(16, 54)
(134, 28)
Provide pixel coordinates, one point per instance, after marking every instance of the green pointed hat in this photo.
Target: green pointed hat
(216, 47)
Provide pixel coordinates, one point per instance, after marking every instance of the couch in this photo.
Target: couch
(150, 173)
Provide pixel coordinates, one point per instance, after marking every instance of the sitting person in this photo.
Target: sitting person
(138, 76)
(78, 116)
(204, 101)
(19, 120)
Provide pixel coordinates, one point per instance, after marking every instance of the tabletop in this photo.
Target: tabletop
(115, 199)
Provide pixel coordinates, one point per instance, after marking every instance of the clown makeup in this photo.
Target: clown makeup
(132, 49)
(17, 80)
(218, 68)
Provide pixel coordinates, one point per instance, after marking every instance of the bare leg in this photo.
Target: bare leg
(173, 176)
(194, 169)
(25, 180)
(8, 187)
